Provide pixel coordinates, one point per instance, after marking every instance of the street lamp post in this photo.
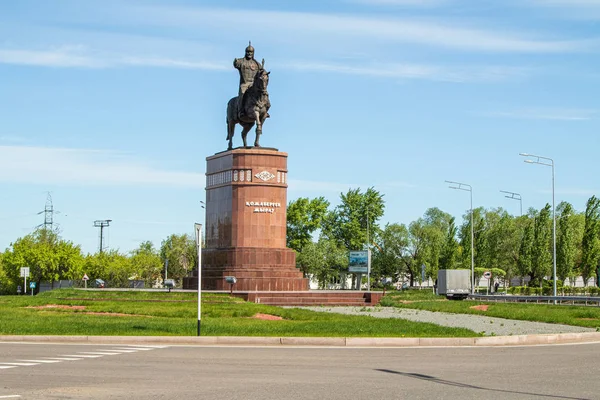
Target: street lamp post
(198, 229)
(514, 196)
(468, 188)
(538, 160)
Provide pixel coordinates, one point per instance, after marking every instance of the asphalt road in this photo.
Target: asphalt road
(194, 372)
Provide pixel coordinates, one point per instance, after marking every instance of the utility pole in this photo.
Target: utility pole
(102, 224)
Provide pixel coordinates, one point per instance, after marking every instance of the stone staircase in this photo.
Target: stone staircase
(313, 298)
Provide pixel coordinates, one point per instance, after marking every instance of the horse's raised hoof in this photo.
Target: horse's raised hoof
(256, 145)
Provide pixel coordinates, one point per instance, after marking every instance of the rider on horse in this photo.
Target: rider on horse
(247, 66)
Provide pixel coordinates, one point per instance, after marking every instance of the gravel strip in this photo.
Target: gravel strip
(477, 323)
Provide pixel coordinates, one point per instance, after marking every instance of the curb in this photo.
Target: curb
(520, 340)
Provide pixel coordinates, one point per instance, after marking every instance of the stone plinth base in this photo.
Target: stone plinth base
(256, 269)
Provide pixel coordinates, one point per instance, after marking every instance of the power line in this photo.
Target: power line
(102, 224)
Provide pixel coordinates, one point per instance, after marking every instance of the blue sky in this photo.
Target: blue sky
(113, 106)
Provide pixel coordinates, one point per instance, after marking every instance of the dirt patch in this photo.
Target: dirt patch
(81, 308)
(481, 307)
(587, 319)
(64, 307)
(111, 314)
(267, 317)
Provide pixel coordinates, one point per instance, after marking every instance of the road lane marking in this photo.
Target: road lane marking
(122, 351)
(19, 364)
(62, 358)
(100, 353)
(40, 361)
(14, 396)
(7, 366)
(79, 355)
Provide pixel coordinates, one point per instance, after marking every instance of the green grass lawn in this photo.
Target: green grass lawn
(175, 314)
(557, 314)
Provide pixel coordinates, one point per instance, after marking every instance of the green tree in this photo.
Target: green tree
(437, 223)
(181, 253)
(112, 267)
(566, 241)
(354, 218)
(417, 250)
(324, 260)
(525, 261)
(450, 247)
(391, 247)
(48, 257)
(541, 261)
(590, 256)
(146, 263)
(304, 217)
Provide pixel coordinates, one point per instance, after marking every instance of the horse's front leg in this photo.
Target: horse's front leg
(230, 132)
(245, 130)
(258, 128)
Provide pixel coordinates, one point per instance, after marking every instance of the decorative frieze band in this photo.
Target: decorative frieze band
(219, 178)
(242, 175)
(281, 177)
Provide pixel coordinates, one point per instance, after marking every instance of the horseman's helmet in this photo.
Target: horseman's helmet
(250, 48)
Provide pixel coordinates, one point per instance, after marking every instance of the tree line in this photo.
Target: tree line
(50, 259)
(509, 246)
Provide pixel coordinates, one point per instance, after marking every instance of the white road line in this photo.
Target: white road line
(99, 353)
(122, 351)
(19, 364)
(147, 347)
(63, 358)
(40, 361)
(79, 355)
(7, 366)
(14, 396)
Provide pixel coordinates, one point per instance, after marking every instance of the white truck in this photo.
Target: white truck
(455, 284)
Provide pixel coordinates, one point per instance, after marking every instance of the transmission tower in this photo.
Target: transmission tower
(102, 224)
(48, 214)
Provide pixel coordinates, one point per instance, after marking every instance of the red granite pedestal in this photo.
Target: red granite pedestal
(245, 228)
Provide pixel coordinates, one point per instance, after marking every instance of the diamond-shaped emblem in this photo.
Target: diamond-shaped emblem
(265, 176)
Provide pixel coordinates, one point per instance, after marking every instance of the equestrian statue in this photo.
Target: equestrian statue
(252, 104)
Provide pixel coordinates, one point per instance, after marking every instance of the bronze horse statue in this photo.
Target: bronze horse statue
(254, 109)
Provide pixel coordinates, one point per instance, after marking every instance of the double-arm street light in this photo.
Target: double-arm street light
(468, 188)
(549, 163)
(514, 196)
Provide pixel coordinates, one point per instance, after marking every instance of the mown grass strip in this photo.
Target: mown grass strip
(222, 316)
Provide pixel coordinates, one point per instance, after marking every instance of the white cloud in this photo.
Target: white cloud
(548, 114)
(416, 71)
(328, 26)
(77, 57)
(84, 167)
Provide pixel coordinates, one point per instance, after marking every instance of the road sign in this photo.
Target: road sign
(31, 285)
(24, 272)
(85, 277)
(487, 274)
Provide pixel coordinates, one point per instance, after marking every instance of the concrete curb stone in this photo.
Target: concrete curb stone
(520, 340)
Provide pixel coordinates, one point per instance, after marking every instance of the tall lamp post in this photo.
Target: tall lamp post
(514, 196)
(198, 229)
(548, 162)
(468, 188)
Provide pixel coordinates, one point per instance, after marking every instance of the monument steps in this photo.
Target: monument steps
(314, 298)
